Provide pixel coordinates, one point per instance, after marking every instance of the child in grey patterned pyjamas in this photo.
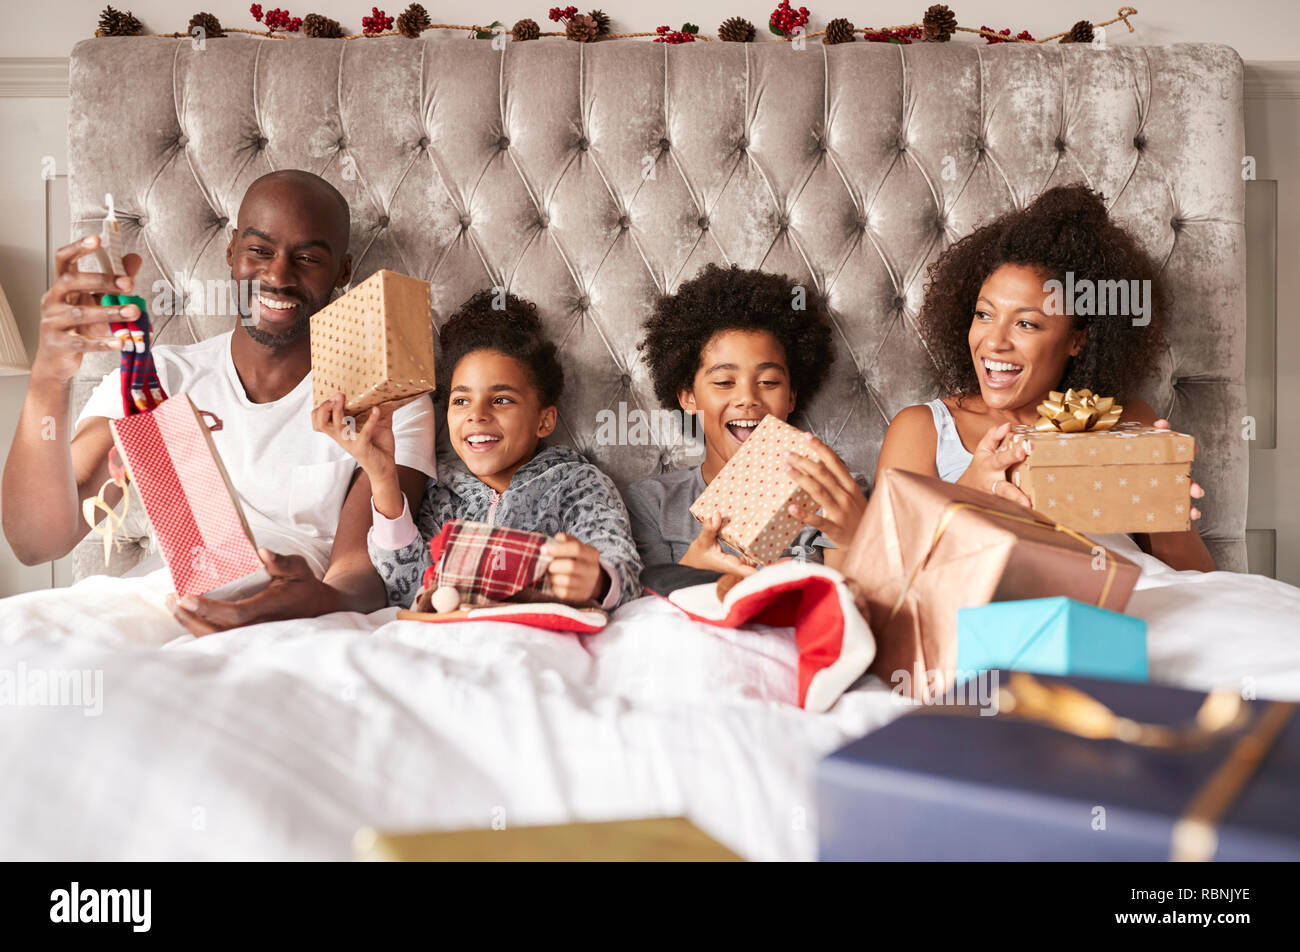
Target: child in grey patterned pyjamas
(504, 384)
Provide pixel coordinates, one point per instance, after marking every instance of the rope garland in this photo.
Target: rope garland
(1123, 14)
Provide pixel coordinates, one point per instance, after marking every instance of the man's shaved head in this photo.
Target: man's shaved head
(292, 238)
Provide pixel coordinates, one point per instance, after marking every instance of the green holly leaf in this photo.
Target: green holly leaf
(690, 28)
(772, 28)
(488, 33)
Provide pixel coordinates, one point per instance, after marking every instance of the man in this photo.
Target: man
(303, 496)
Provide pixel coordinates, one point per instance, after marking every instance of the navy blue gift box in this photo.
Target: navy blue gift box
(957, 785)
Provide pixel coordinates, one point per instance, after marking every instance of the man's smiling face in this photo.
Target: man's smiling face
(291, 238)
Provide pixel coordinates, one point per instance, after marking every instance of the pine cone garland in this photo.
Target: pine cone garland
(117, 23)
(839, 30)
(210, 24)
(413, 21)
(602, 21)
(736, 30)
(1081, 32)
(939, 24)
(582, 28)
(321, 28)
(526, 29)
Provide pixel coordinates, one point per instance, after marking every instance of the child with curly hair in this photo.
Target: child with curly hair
(729, 348)
(505, 381)
(1001, 343)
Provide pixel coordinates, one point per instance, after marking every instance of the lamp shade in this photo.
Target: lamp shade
(13, 356)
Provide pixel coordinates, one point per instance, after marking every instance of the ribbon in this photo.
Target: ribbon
(1077, 411)
(954, 507)
(91, 506)
(1195, 836)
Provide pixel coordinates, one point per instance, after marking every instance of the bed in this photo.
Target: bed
(589, 178)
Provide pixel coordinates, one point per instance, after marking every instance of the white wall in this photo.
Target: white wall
(33, 126)
(1258, 29)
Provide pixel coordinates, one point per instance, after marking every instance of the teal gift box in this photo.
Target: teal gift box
(1052, 636)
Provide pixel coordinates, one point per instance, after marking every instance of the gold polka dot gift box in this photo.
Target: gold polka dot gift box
(1101, 475)
(374, 344)
(753, 491)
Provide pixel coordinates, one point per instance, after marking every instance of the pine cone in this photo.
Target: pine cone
(321, 28)
(1081, 32)
(939, 24)
(413, 21)
(839, 30)
(582, 28)
(116, 23)
(736, 30)
(211, 25)
(602, 21)
(526, 30)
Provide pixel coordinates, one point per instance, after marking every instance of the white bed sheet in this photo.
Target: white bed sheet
(280, 740)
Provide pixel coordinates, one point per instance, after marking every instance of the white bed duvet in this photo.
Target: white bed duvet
(279, 741)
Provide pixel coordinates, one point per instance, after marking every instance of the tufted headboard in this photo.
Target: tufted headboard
(590, 178)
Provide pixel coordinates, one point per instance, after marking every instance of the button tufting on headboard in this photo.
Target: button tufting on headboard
(849, 170)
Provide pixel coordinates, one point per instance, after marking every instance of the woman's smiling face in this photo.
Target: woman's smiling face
(1019, 349)
(743, 376)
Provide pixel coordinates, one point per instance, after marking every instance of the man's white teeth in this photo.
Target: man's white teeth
(482, 438)
(745, 423)
(1000, 365)
(274, 305)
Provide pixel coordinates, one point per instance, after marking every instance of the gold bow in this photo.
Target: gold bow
(1076, 411)
(117, 476)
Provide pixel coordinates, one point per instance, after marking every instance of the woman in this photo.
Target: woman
(994, 323)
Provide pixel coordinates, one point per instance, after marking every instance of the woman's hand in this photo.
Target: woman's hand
(1197, 491)
(833, 490)
(575, 571)
(706, 552)
(988, 470)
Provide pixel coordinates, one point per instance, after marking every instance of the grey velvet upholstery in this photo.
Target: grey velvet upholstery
(850, 167)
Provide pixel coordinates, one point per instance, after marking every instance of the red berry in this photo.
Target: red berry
(256, 11)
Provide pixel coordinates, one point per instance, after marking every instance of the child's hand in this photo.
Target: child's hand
(373, 445)
(706, 552)
(575, 572)
(1197, 491)
(832, 488)
(987, 472)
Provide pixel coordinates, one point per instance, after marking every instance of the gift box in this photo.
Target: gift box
(753, 490)
(374, 344)
(926, 548)
(1052, 636)
(1045, 776)
(1097, 475)
(193, 508)
(485, 564)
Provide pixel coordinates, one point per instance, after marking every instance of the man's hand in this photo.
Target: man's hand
(706, 552)
(73, 322)
(575, 572)
(833, 490)
(293, 592)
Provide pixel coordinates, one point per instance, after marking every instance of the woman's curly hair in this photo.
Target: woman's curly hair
(498, 320)
(722, 299)
(1064, 229)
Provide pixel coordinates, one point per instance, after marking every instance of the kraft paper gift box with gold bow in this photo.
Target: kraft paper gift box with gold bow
(1032, 767)
(374, 344)
(753, 491)
(926, 548)
(1096, 474)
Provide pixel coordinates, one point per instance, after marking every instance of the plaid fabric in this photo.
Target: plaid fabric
(487, 564)
(141, 389)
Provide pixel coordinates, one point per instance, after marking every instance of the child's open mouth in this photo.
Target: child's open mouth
(1000, 374)
(741, 429)
(482, 442)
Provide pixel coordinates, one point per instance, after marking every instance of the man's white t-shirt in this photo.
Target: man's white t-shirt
(291, 480)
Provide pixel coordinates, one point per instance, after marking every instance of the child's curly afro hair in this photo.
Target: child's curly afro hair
(494, 319)
(723, 299)
(1065, 229)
